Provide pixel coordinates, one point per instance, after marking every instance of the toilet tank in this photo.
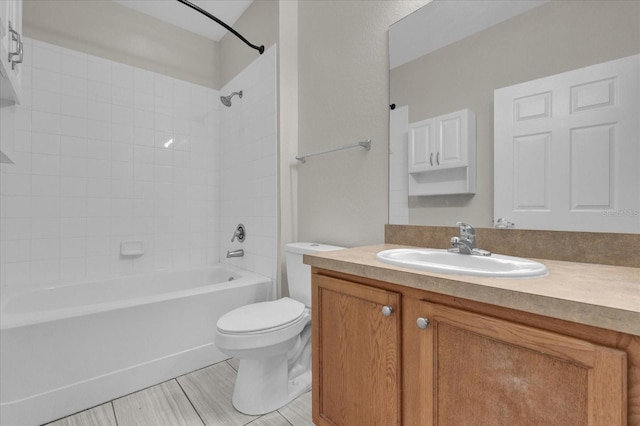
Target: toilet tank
(299, 274)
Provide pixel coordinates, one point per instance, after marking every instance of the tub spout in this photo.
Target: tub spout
(235, 253)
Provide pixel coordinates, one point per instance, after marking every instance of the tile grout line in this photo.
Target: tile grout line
(113, 408)
(190, 402)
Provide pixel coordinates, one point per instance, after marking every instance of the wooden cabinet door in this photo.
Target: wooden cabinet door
(356, 354)
(466, 368)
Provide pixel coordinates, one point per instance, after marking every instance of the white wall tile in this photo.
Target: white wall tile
(73, 64)
(98, 267)
(45, 248)
(96, 171)
(45, 186)
(122, 75)
(73, 186)
(46, 57)
(73, 269)
(74, 85)
(74, 106)
(122, 133)
(45, 122)
(97, 168)
(45, 80)
(45, 272)
(45, 143)
(45, 100)
(98, 69)
(73, 227)
(99, 91)
(45, 206)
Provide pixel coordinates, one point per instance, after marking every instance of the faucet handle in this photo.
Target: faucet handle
(466, 229)
(239, 233)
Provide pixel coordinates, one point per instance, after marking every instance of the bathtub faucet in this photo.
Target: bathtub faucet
(235, 253)
(239, 233)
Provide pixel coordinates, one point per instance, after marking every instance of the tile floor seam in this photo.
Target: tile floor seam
(285, 418)
(190, 402)
(119, 422)
(113, 409)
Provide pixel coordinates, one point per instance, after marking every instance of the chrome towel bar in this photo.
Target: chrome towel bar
(365, 144)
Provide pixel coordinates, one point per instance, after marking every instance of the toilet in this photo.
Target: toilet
(272, 340)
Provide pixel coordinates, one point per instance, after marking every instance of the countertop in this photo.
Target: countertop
(598, 295)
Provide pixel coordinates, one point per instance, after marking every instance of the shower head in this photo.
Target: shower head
(226, 100)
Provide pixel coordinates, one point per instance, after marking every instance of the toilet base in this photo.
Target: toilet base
(267, 384)
(263, 385)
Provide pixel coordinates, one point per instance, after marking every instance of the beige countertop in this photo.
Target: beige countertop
(598, 295)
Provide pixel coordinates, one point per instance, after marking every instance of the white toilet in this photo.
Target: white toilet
(272, 340)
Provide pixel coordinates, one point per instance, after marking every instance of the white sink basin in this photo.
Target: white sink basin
(444, 262)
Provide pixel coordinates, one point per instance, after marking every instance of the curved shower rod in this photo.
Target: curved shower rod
(208, 15)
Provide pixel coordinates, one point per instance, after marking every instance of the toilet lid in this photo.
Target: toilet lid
(261, 316)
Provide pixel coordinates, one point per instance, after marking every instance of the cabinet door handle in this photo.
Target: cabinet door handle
(387, 310)
(438, 158)
(431, 159)
(422, 323)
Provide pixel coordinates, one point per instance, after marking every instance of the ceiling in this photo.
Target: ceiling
(440, 23)
(180, 15)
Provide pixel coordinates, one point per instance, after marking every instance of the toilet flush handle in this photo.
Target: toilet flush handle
(387, 310)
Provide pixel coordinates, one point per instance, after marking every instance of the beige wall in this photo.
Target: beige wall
(259, 24)
(288, 132)
(112, 31)
(343, 98)
(536, 44)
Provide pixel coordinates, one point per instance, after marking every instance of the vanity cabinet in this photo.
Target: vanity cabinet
(439, 360)
(11, 50)
(356, 354)
(469, 368)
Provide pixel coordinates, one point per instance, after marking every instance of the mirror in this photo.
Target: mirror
(452, 54)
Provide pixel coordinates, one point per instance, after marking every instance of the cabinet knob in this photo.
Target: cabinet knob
(422, 323)
(387, 310)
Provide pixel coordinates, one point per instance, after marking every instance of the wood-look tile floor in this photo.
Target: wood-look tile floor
(200, 398)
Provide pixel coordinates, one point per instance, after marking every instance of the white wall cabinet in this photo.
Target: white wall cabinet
(11, 51)
(441, 154)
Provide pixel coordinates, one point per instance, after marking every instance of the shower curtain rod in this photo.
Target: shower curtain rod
(208, 15)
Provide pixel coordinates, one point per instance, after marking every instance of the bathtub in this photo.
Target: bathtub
(69, 348)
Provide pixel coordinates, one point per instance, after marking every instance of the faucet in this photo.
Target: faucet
(239, 234)
(466, 242)
(235, 253)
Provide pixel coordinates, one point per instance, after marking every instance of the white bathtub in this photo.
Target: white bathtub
(68, 348)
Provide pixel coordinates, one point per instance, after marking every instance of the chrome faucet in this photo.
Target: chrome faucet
(239, 234)
(235, 253)
(466, 242)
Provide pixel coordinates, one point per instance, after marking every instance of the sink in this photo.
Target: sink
(445, 262)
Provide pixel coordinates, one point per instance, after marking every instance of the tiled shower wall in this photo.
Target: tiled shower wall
(248, 171)
(105, 153)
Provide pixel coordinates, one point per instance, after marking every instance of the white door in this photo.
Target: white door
(567, 150)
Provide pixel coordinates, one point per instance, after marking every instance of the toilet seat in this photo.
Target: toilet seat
(263, 317)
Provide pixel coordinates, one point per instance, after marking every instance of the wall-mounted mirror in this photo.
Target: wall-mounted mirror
(452, 55)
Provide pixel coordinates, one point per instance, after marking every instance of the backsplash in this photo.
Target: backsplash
(585, 247)
(106, 152)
